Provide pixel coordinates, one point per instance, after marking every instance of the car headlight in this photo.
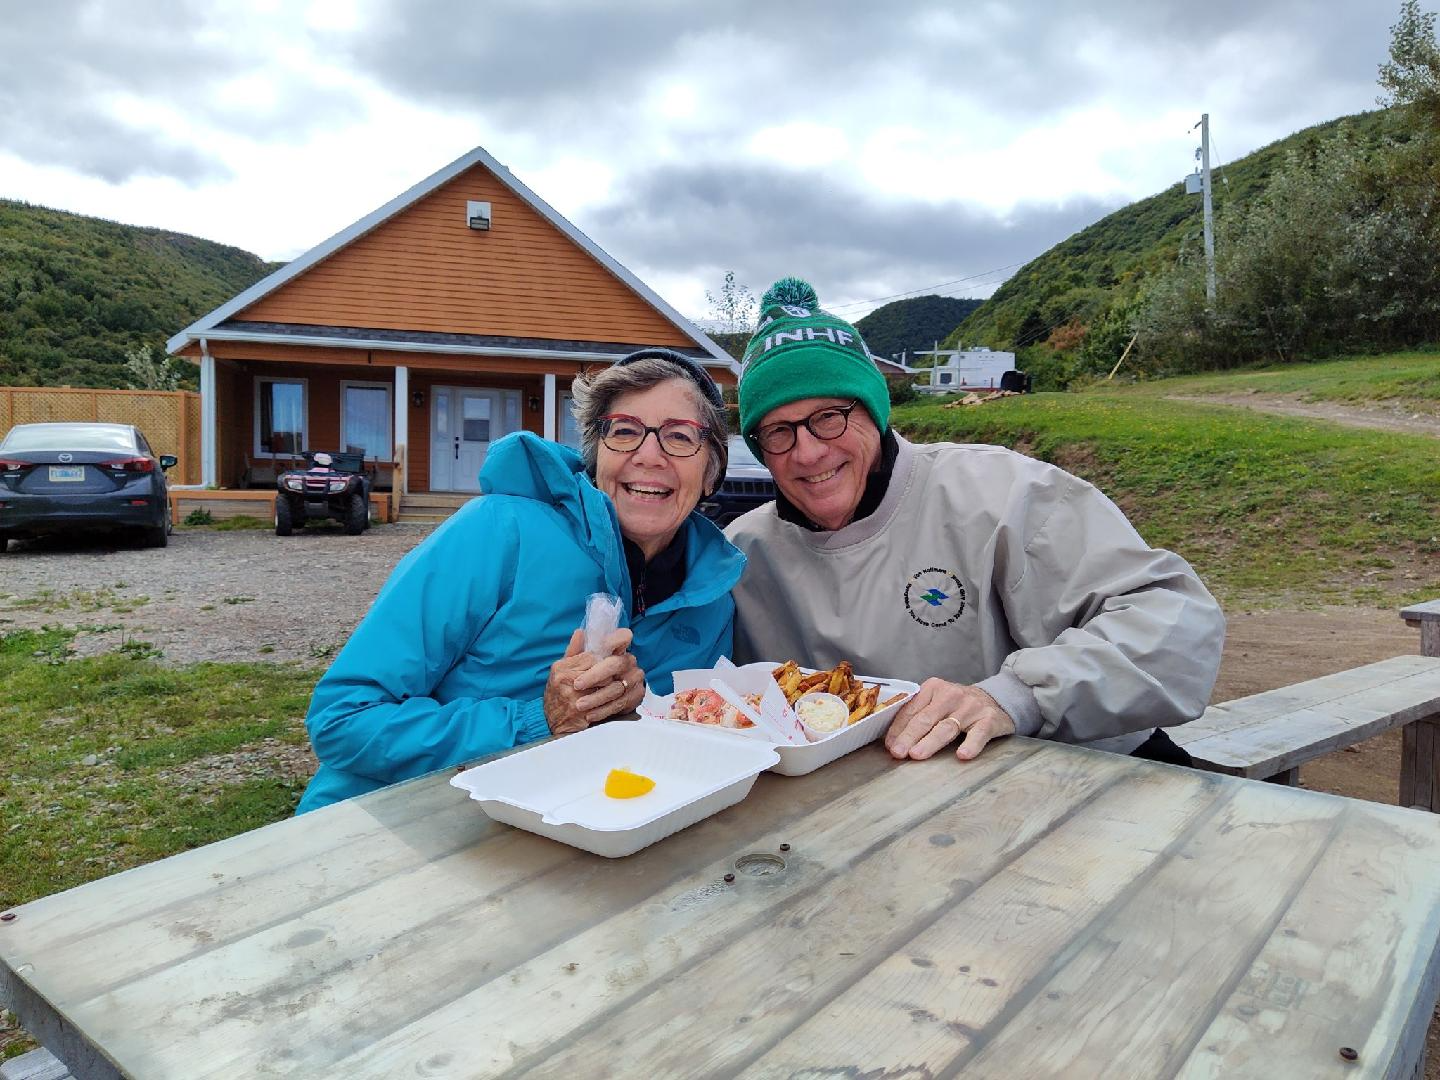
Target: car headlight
(337, 486)
(294, 483)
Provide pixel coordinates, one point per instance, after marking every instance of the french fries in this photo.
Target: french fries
(861, 698)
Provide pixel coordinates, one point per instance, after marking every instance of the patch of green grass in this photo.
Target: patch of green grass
(84, 601)
(1269, 509)
(1394, 377)
(242, 521)
(147, 732)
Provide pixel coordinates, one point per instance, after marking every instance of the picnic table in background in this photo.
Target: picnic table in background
(1044, 911)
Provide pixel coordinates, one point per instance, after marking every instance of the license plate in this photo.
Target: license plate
(67, 472)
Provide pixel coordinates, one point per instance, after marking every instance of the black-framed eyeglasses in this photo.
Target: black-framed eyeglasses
(827, 423)
(678, 438)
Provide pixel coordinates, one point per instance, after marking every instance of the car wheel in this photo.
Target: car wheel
(158, 537)
(357, 516)
(5, 539)
(284, 517)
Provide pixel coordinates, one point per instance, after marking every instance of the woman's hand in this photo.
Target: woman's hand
(582, 690)
(939, 714)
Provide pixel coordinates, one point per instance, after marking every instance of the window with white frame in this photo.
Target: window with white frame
(280, 416)
(365, 417)
(569, 429)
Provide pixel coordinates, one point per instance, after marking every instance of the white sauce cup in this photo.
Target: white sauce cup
(822, 715)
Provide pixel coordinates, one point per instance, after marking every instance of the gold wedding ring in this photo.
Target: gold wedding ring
(949, 720)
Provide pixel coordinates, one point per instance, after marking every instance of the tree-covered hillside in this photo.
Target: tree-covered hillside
(910, 325)
(77, 294)
(1081, 296)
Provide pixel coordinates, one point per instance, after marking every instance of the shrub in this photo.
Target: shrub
(902, 388)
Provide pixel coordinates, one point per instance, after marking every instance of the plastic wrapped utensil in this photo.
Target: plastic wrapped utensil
(602, 618)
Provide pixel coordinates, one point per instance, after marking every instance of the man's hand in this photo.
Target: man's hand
(939, 714)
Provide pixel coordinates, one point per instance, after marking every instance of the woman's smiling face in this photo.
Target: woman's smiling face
(652, 491)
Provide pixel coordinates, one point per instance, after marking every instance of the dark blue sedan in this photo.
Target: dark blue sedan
(65, 478)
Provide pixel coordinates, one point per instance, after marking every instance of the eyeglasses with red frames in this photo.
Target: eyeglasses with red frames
(678, 438)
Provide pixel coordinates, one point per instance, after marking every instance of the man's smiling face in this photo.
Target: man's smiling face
(824, 478)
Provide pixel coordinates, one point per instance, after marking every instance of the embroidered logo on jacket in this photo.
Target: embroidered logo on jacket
(934, 597)
(687, 634)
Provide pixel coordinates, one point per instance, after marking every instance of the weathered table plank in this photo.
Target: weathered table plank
(1045, 910)
(1426, 617)
(1334, 972)
(936, 996)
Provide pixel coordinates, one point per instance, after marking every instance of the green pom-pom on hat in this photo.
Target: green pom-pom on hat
(792, 291)
(801, 351)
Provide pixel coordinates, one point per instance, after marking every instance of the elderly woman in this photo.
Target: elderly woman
(474, 646)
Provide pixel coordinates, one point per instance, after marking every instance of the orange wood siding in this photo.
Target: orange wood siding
(424, 269)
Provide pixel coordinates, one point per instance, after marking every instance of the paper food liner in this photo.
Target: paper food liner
(775, 721)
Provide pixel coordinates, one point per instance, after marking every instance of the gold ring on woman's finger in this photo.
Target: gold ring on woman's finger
(625, 686)
(950, 720)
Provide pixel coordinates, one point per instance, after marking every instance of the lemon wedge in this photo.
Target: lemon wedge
(624, 784)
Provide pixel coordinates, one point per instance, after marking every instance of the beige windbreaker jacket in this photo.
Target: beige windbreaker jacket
(984, 566)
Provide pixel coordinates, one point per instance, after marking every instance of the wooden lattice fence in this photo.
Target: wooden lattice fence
(170, 419)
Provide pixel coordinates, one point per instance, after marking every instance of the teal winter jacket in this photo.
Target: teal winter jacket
(450, 663)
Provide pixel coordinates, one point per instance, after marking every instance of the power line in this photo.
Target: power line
(926, 289)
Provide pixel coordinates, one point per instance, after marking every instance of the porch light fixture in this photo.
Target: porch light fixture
(417, 398)
(534, 402)
(477, 215)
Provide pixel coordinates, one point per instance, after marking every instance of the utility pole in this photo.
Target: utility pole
(1204, 126)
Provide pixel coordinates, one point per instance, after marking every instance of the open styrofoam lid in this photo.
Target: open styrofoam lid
(564, 779)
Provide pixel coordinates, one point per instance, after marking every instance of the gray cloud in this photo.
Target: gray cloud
(579, 67)
(764, 223)
(71, 69)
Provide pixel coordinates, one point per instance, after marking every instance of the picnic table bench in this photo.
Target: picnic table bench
(1268, 736)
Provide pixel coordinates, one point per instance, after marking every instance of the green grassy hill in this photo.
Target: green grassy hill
(907, 326)
(77, 293)
(1089, 279)
(1271, 510)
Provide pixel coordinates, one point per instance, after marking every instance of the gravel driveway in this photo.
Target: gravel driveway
(242, 595)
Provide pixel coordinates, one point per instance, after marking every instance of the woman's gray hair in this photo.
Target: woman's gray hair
(595, 393)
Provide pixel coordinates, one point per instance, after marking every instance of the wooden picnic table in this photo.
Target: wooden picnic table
(1045, 911)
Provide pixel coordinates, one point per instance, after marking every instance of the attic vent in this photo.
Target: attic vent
(477, 215)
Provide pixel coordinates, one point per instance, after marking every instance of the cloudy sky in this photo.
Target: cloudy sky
(875, 148)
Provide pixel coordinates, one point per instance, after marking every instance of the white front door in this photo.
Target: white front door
(464, 421)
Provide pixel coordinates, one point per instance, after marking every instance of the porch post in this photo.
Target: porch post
(550, 406)
(207, 415)
(401, 480)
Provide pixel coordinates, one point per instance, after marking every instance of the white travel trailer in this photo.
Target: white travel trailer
(958, 370)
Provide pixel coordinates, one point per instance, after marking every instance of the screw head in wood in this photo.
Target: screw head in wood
(1349, 1053)
(729, 878)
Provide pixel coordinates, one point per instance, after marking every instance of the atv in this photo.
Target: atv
(334, 486)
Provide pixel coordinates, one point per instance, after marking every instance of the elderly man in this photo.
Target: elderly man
(1018, 595)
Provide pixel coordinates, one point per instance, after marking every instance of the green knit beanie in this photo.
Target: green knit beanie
(800, 351)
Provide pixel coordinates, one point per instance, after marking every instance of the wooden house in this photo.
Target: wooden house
(458, 312)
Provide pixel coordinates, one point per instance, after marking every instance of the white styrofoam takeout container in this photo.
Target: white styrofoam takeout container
(796, 759)
(557, 789)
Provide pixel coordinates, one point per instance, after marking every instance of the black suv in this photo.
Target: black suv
(747, 484)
